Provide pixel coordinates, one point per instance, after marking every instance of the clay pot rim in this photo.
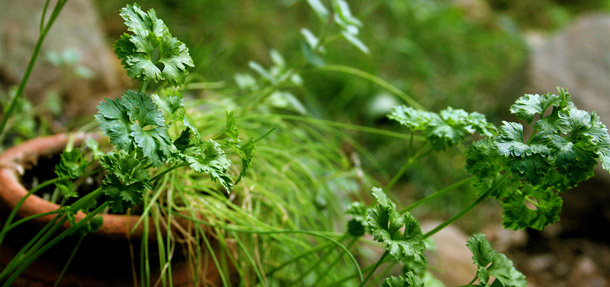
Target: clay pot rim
(11, 190)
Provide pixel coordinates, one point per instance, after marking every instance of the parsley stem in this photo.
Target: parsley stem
(468, 208)
(374, 268)
(405, 167)
(376, 80)
(347, 126)
(179, 165)
(436, 194)
(142, 88)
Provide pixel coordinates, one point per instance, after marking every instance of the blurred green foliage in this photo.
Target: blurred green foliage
(462, 54)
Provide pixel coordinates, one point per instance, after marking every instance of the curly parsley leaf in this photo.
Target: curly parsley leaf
(209, 158)
(561, 151)
(385, 224)
(148, 127)
(445, 129)
(245, 150)
(415, 120)
(491, 263)
(114, 121)
(526, 107)
(533, 207)
(71, 165)
(126, 180)
(357, 226)
(410, 280)
(134, 120)
(151, 53)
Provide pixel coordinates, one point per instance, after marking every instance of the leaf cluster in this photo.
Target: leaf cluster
(150, 52)
(138, 125)
(444, 129)
(526, 173)
(410, 280)
(401, 234)
(343, 17)
(490, 263)
(357, 226)
(71, 166)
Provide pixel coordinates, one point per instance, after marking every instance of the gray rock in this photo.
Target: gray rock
(578, 59)
(78, 29)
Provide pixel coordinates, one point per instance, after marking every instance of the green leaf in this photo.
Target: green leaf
(561, 152)
(410, 280)
(357, 226)
(122, 196)
(345, 19)
(142, 109)
(246, 153)
(126, 180)
(231, 127)
(114, 121)
(311, 40)
(151, 53)
(184, 140)
(319, 8)
(148, 128)
(415, 120)
(445, 129)
(526, 107)
(209, 158)
(544, 208)
(491, 263)
(385, 224)
(169, 101)
(72, 165)
(155, 143)
(352, 39)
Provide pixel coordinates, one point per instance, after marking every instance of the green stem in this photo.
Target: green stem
(332, 264)
(26, 219)
(312, 233)
(142, 88)
(28, 71)
(43, 233)
(380, 82)
(374, 268)
(63, 271)
(11, 216)
(354, 275)
(47, 231)
(7, 223)
(468, 208)
(405, 167)
(322, 258)
(294, 259)
(436, 194)
(29, 258)
(262, 279)
(346, 126)
(179, 165)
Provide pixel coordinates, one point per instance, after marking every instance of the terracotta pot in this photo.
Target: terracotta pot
(104, 257)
